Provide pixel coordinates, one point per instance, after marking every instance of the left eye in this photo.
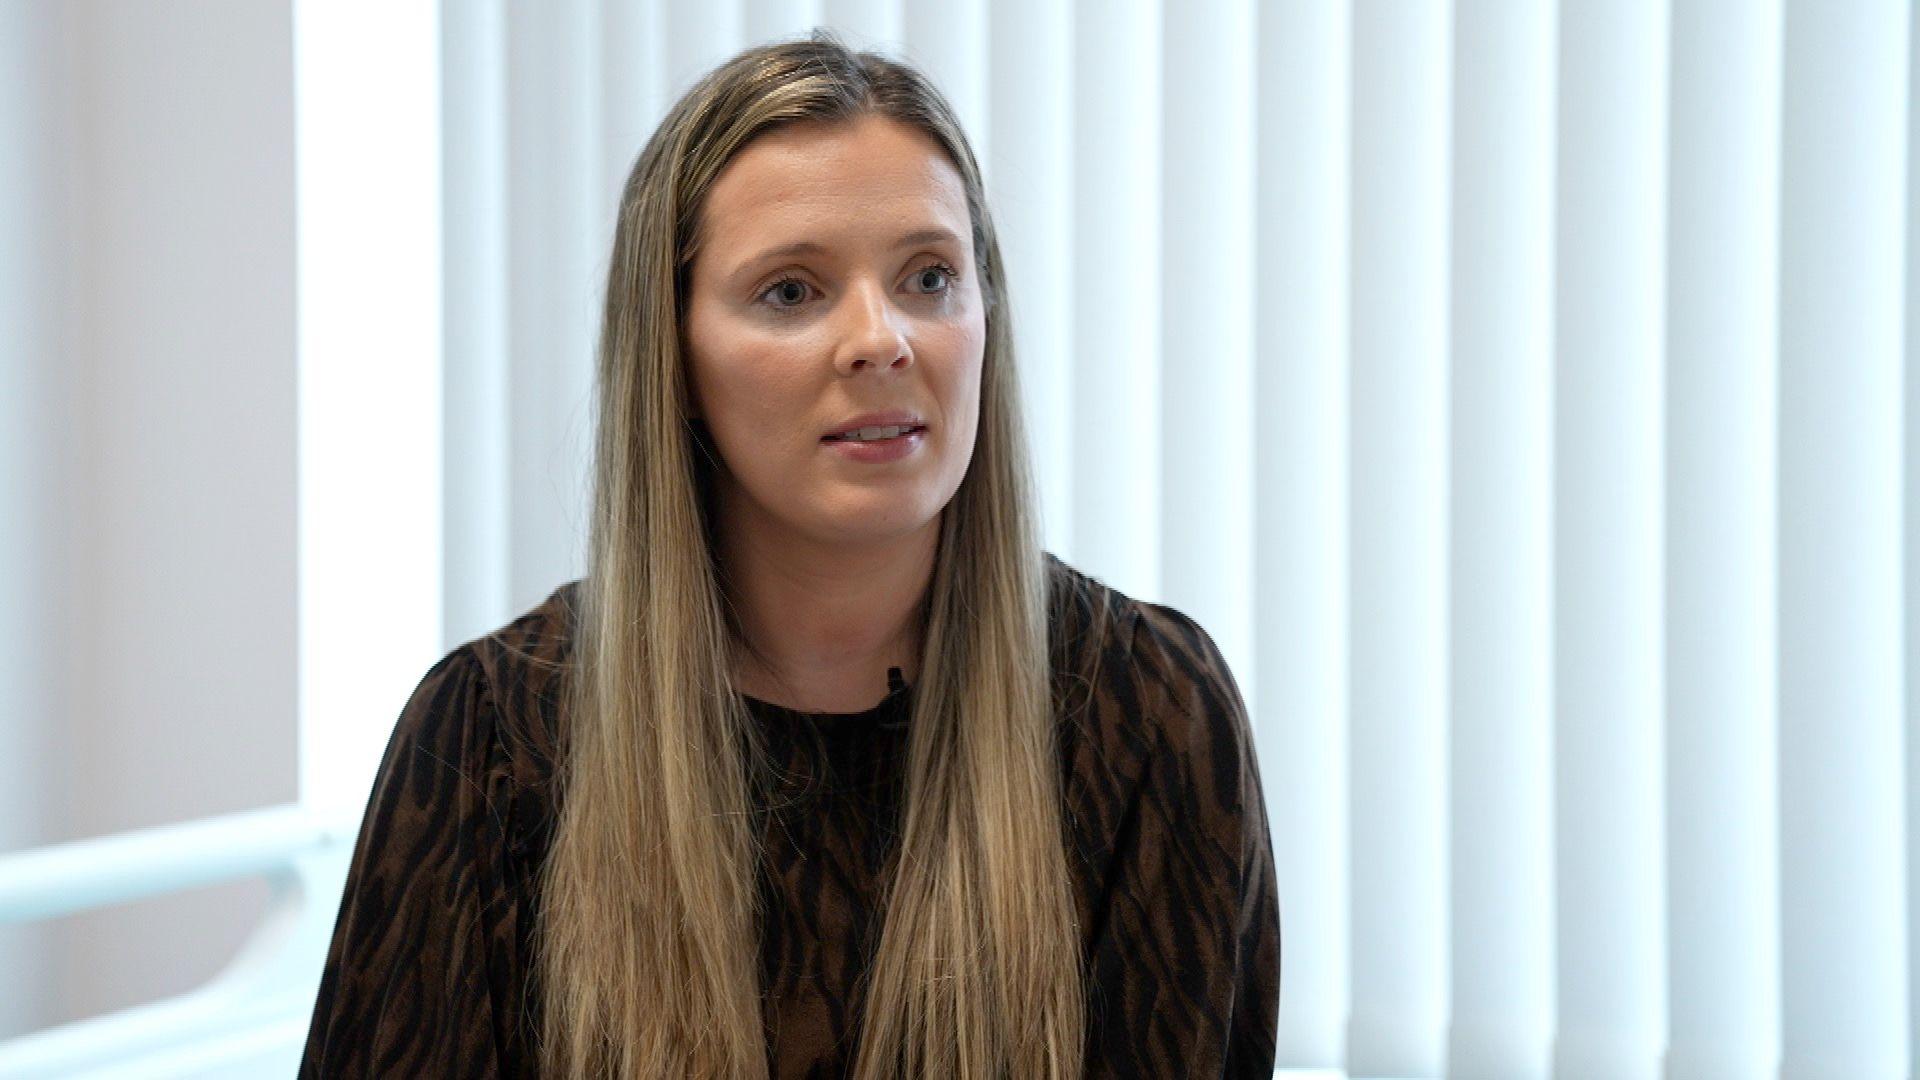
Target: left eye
(943, 276)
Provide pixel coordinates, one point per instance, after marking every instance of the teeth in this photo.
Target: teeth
(866, 434)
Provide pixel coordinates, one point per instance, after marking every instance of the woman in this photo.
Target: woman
(658, 826)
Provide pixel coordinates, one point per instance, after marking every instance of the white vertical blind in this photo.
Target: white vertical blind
(865, 22)
(1607, 532)
(948, 41)
(1300, 548)
(553, 253)
(1911, 655)
(1502, 541)
(1402, 59)
(478, 410)
(770, 20)
(695, 37)
(1116, 292)
(633, 94)
(1722, 312)
(1206, 333)
(1842, 784)
(1513, 389)
(1030, 180)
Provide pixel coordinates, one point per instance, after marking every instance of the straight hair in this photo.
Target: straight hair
(647, 937)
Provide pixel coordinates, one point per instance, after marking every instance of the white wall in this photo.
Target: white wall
(147, 554)
(34, 387)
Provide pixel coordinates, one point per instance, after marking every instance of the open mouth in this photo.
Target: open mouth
(876, 434)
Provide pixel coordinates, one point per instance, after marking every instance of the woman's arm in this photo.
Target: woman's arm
(1256, 1007)
(405, 990)
(1186, 954)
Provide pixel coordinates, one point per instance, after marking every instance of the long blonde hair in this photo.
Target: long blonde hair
(648, 934)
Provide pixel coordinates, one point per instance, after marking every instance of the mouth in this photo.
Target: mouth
(877, 446)
(884, 433)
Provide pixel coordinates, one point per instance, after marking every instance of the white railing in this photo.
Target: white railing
(248, 1020)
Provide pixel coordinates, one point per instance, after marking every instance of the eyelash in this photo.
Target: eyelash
(784, 279)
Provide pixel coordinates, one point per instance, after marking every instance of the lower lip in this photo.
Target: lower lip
(879, 451)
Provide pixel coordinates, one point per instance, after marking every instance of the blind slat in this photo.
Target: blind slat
(1300, 549)
(633, 93)
(1842, 782)
(1723, 256)
(1206, 340)
(1030, 86)
(1610, 259)
(1911, 658)
(948, 41)
(1501, 535)
(762, 21)
(475, 555)
(865, 23)
(1398, 581)
(1116, 316)
(553, 164)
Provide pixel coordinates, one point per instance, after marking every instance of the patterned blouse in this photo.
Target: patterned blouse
(428, 971)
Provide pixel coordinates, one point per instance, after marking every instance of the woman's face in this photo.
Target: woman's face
(836, 279)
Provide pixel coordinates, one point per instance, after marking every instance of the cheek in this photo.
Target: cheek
(753, 394)
(758, 403)
(957, 385)
(714, 355)
(963, 377)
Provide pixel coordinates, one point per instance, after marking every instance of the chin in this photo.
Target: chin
(878, 518)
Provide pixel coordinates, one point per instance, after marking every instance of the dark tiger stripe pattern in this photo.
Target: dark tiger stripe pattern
(428, 974)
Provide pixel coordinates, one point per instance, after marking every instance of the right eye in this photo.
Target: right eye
(785, 294)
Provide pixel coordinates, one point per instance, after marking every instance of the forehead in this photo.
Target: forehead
(828, 182)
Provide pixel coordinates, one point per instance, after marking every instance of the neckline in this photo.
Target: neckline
(890, 712)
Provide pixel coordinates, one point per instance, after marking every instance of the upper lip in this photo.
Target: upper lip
(890, 418)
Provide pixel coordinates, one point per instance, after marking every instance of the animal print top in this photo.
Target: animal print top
(427, 975)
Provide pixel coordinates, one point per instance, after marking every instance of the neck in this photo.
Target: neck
(824, 620)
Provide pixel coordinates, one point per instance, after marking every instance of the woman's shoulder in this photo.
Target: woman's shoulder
(1109, 650)
(1087, 619)
(1082, 607)
(1155, 664)
(527, 658)
(528, 654)
(424, 891)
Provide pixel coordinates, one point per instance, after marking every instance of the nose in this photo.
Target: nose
(873, 336)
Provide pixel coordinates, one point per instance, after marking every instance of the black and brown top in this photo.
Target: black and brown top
(427, 975)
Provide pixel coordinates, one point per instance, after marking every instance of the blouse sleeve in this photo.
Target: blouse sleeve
(1256, 1001)
(405, 990)
(1186, 963)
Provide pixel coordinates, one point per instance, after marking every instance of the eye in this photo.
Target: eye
(786, 294)
(942, 274)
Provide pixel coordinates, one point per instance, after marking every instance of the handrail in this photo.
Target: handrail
(61, 879)
(250, 1016)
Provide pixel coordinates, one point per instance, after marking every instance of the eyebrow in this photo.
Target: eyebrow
(931, 235)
